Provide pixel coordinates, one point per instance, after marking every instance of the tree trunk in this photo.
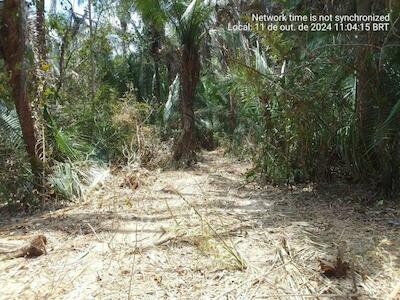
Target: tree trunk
(156, 37)
(92, 62)
(13, 41)
(365, 79)
(69, 34)
(61, 62)
(366, 105)
(41, 31)
(189, 72)
(157, 81)
(232, 114)
(40, 53)
(124, 27)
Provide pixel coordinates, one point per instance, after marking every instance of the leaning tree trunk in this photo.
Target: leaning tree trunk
(189, 73)
(13, 49)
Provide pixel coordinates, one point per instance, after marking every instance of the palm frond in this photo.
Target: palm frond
(10, 130)
(151, 11)
(66, 179)
(190, 10)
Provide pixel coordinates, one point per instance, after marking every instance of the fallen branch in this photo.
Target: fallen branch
(160, 242)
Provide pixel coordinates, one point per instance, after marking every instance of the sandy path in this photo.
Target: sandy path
(203, 233)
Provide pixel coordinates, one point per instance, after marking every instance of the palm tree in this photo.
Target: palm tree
(189, 22)
(12, 44)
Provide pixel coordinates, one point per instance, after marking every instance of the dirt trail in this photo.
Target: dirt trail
(204, 233)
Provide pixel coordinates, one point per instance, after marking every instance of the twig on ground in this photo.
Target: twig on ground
(94, 231)
(171, 213)
(158, 243)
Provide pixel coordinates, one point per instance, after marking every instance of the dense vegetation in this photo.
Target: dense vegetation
(127, 81)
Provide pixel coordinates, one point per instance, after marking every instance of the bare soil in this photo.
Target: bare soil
(204, 233)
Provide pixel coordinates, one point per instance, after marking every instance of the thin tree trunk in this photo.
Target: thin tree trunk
(365, 80)
(41, 31)
(190, 72)
(61, 63)
(367, 84)
(232, 121)
(232, 105)
(40, 53)
(156, 37)
(124, 27)
(13, 41)
(69, 34)
(53, 7)
(157, 79)
(92, 63)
